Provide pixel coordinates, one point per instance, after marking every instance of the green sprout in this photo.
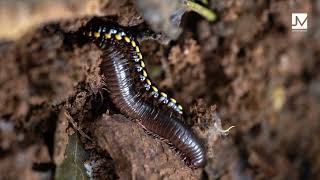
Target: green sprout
(203, 11)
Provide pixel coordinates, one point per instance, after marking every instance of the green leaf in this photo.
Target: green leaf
(72, 168)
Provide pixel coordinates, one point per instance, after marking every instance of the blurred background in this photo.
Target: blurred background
(235, 63)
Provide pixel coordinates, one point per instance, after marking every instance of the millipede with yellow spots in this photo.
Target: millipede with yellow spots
(133, 92)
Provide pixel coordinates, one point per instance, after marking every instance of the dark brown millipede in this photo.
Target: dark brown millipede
(132, 91)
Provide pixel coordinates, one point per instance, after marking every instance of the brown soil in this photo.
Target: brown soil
(248, 69)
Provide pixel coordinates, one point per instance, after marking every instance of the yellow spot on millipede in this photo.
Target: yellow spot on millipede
(142, 64)
(137, 49)
(173, 100)
(118, 37)
(90, 33)
(127, 39)
(154, 89)
(133, 43)
(144, 73)
(180, 107)
(148, 82)
(164, 94)
(107, 35)
(96, 34)
(140, 55)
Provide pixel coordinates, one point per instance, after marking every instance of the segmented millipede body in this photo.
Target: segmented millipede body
(132, 91)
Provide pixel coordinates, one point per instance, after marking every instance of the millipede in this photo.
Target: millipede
(133, 93)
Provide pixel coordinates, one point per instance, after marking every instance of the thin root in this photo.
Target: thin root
(223, 131)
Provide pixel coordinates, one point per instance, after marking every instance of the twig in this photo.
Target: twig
(75, 125)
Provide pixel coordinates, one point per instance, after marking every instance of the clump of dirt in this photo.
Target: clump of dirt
(248, 69)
